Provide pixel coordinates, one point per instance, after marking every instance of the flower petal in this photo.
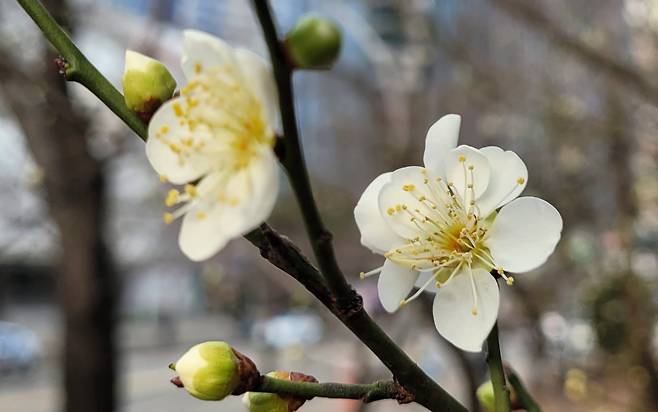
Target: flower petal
(422, 280)
(164, 135)
(375, 232)
(509, 176)
(263, 181)
(201, 238)
(257, 75)
(453, 305)
(458, 171)
(202, 50)
(392, 194)
(394, 284)
(248, 197)
(524, 234)
(441, 137)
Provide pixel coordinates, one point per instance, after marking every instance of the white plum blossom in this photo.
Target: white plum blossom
(217, 139)
(439, 230)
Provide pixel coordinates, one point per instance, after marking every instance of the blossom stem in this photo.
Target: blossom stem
(495, 362)
(307, 390)
(79, 69)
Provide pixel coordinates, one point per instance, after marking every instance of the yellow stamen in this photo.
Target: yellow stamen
(190, 190)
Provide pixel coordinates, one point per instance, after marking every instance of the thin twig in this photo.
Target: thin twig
(497, 372)
(307, 390)
(77, 67)
(295, 165)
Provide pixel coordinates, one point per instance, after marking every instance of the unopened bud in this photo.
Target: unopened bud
(271, 402)
(314, 43)
(485, 394)
(146, 84)
(213, 370)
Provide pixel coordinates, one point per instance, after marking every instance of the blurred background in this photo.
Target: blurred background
(96, 299)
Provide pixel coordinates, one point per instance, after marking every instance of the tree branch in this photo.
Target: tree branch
(78, 69)
(279, 250)
(306, 390)
(627, 74)
(283, 254)
(495, 362)
(293, 161)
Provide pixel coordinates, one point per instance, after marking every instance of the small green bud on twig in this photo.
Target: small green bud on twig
(314, 43)
(146, 84)
(271, 402)
(213, 370)
(485, 394)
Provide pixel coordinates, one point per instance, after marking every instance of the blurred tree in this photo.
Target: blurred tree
(74, 184)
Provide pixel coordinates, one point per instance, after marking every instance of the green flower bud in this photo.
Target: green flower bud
(146, 84)
(314, 43)
(271, 402)
(267, 402)
(485, 394)
(209, 370)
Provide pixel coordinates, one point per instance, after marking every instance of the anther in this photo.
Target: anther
(408, 187)
(520, 181)
(168, 218)
(190, 190)
(461, 158)
(172, 198)
(375, 271)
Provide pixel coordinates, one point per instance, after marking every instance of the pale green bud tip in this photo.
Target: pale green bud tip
(314, 42)
(146, 83)
(209, 370)
(485, 394)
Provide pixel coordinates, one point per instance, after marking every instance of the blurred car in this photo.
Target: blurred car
(19, 348)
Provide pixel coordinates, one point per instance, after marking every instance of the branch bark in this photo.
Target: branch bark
(306, 390)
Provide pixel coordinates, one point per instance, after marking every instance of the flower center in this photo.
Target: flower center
(219, 120)
(451, 236)
(219, 116)
(450, 232)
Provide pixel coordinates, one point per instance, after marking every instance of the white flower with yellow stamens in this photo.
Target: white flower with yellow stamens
(439, 230)
(217, 139)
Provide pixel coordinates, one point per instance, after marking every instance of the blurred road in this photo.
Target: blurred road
(146, 388)
(144, 377)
